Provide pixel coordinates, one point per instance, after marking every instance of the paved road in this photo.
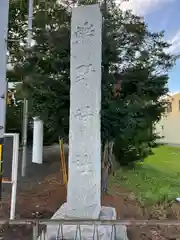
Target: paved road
(168, 143)
(51, 155)
(37, 172)
(173, 144)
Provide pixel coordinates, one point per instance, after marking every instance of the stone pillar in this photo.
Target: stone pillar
(84, 190)
(84, 184)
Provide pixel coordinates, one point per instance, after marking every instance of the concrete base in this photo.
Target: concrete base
(87, 232)
(67, 212)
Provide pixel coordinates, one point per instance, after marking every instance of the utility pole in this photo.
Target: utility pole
(4, 13)
(25, 109)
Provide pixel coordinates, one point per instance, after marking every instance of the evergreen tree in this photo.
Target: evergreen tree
(134, 75)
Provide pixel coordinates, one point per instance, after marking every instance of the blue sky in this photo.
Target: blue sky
(161, 15)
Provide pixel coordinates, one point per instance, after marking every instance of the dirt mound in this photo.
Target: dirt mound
(42, 199)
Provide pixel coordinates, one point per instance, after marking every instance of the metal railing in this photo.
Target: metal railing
(39, 226)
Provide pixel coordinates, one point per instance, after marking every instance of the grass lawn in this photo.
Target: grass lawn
(157, 179)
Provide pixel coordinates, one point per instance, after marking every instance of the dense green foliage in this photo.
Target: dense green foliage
(133, 59)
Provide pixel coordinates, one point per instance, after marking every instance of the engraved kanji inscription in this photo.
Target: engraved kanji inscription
(83, 70)
(84, 31)
(83, 113)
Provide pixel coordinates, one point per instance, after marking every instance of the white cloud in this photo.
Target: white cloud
(175, 41)
(142, 7)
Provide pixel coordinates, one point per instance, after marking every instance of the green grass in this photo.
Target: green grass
(157, 179)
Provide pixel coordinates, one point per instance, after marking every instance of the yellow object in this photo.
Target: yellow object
(1, 150)
(63, 163)
(9, 98)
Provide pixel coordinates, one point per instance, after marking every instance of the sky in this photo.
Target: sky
(161, 15)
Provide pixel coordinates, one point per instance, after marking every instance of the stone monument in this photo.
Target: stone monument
(84, 183)
(83, 193)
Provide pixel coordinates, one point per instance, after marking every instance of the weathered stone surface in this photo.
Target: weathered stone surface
(107, 213)
(87, 232)
(66, 211)
(85, 104)
(121, 233)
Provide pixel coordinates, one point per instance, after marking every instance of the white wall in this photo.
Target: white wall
(169, 127)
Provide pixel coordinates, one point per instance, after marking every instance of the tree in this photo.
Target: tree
(46, 65)
(137, 59)
(134, 76)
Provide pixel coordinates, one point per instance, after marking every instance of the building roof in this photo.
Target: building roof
(12, 85)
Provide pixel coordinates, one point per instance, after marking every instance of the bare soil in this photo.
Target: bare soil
(42, 199)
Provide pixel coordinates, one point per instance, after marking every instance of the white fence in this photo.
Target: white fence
(14, 173)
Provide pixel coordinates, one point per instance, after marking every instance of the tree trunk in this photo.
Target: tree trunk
(107, 154)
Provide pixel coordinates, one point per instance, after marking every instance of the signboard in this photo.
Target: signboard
(7, 157)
